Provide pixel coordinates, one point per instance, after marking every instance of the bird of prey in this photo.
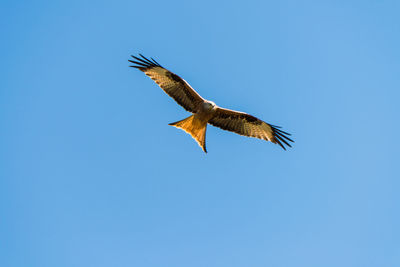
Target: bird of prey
(205, 111)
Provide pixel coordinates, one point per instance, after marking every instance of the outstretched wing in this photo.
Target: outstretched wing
(247, 125)
(172, 84)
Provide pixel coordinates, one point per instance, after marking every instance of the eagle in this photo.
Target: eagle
(207, 112)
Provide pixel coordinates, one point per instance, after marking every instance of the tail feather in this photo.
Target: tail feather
(195, 127)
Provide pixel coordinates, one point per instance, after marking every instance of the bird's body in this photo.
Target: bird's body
(196, 125)
(206, 112)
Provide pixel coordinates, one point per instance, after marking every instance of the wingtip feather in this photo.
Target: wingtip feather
(144, 61)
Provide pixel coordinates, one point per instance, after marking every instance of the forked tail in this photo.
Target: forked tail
(195, 127)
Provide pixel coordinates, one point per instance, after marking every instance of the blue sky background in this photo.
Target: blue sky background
(92, 175)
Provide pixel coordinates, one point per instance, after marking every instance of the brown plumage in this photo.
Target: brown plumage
(206, 111)
(195, 127)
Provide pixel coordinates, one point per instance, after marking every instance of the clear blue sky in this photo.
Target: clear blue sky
(92, 175)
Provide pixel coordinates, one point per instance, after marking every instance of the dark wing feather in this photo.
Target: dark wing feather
(172, 84)
(247, 125)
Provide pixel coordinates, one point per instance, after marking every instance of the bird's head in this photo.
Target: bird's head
(209, 105)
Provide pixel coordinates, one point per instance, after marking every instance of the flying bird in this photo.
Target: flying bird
(206, 112)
